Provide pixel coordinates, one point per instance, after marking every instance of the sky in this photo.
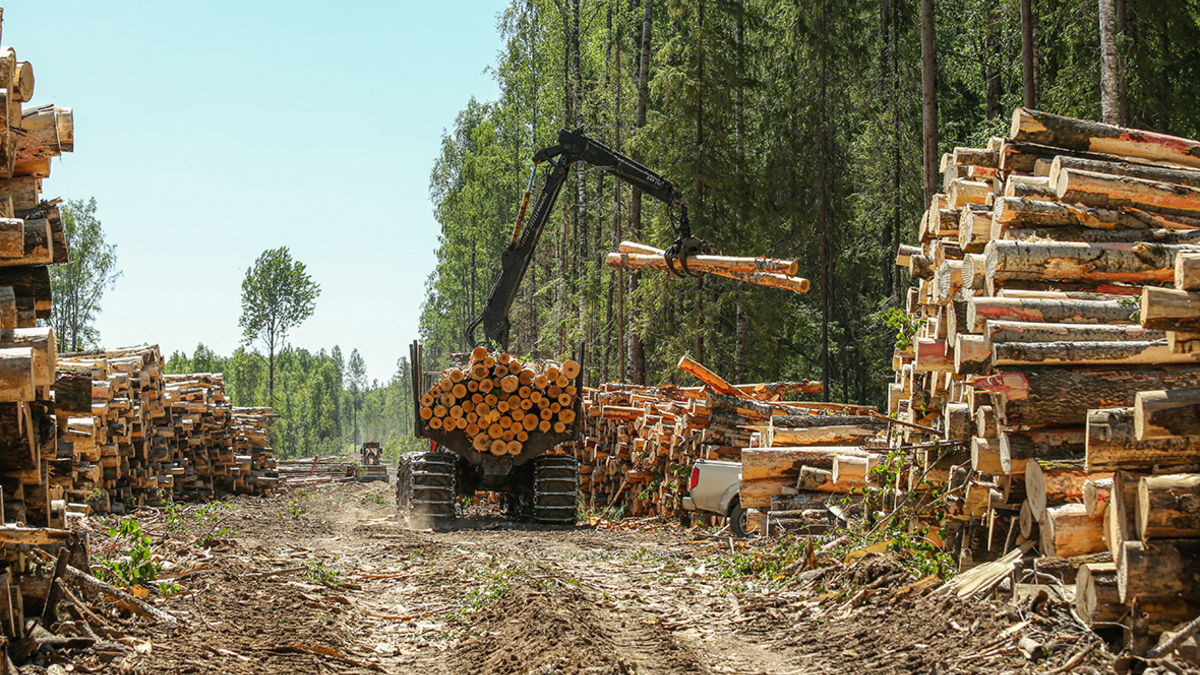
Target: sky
(211, 131)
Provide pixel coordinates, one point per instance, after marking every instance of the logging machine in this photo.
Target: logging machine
(533, 484)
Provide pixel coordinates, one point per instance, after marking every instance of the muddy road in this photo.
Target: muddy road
(331, 581)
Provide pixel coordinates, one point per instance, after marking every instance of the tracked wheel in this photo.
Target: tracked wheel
(404, 481)
(555, 486)
(431, 487)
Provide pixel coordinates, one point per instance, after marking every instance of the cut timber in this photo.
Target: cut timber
(1129, 353)
(971, 354)
(974, 271)
(904, 254)
(1158, 235)
(39, 139)
(1165, 414)
(840, 435)
(1100, 190)
(974, 230)
(1160, 568)
(25, 192)
(44, 346)
(948, 279)
(12, 238)
(1011, 213)
(985, 457)
(1068, 530)
(1028, 187)
(1049, 310)
(1077, 261)
(1188, 177)
(1047, 480)
(16, 374)
(931, 356)
(1034, 126)
(1112, 444)
(765, 463)
(1097, 599)
(706, 263)
(976, 157)
(1052, 396)
(694, 368)
(959, 425)
(1170, 309)
(849, 470)
(1029, 331)
(1017, 446)
(772, 279)
(1187, 272)
(1096, 495)
(963, 192)
(985, 422)
(1168, 506)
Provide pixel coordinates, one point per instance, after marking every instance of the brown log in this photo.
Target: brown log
(16, 374)
(706, 263)
(985, 423)
(1050, 396)
(1049, 481)
(1049, 310)
(974, 272)
(1097, 598)
(920, 267)
(852, 470)
(971, 355)
(820, 480)
(1028, 187)
(1187, 272)
(1171, 310)
(1112, 444)
(1129, 353)
(1096, 495)
(1033, 126)
(1165, 414)
(931, 356)
(963, 192)
(708, 377)
(974, 229)
(1068, 530)
(39, 139)
(840, 435)
(1012, 213)
(976, 157)
(904, 253)
(958, 422)
(1160, 568)
(1029, 331)
(775, 462)
(1153, 172)
(1078, 261)
(985, 457)
(1107, 191)
(948, 279)
(1017, 446)
(1168, 506)
(1092, 236)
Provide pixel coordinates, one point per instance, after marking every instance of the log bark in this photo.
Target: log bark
(1012, 213)
(1050, 396)
(1096, 495)
(948, 279)
(971, 355)
(1112, 444)
(706, 263)
(1131, 353)
(1168, 506)
(1171, 310)
(696, 369)
(1033, 126)
(39, 139)
(1161, 568)
(1068, 530)
(840, 435)
(985, 457)
(774, 462)
(1028, 187)
(1105, 191)
(985, 422)
(16, 374)
(1017, 446)
(1165, 414)
(1097, 598)
(1137, 263)
(1049, 481)
(1152, 172)
(959, 425)
(1187, 272)
(1094, 236)
(1048, 310)
(976, 157)
(1033, 332)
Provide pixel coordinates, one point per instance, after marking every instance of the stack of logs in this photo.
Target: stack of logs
(1036, 389)
(129, 435)
(639, 442)
(499, 403)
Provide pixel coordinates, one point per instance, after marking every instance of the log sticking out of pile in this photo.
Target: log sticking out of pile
(500, 402)
(761, 271)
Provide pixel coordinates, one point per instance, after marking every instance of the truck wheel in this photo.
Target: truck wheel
(737, 519)
(431, 490)
(555, 485)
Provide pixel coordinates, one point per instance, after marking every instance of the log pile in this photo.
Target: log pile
(761, 271)
(130, 435)
(499, 404)
(1059, 405)
(639, 442)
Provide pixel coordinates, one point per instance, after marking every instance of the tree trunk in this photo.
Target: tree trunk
(1169, 309)
(637, 351)
(1028, 74)
(1168, 507)
(1019, 446)
(1162, 568)
(1110, 64)
(1106, 191)
(1097, 599)
(1127, 353)
(1048, 129)
(1167, 414)
(1136, 263)
(1023, 331)
(1010, 213)
(929, 106)
(1068, 530)
(981, 310)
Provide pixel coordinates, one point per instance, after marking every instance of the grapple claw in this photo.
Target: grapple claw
(679, 251)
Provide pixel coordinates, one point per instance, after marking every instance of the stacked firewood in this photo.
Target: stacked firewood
(498, 403)
(1017, 389)
(130, 435)
(639, 442)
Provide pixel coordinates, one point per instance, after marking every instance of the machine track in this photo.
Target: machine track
(555, 485)
(431, 478)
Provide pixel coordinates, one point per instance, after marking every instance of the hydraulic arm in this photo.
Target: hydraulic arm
(572, 147)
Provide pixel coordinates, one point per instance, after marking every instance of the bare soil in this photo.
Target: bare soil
(332, 581)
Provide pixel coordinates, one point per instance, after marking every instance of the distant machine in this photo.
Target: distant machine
(373, 467)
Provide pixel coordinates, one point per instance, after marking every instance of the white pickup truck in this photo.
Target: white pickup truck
(713, 488)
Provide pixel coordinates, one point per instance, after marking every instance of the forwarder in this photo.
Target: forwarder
(533, 484)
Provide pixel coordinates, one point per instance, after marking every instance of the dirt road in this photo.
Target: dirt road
(330, 581)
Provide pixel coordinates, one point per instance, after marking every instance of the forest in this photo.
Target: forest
(795, 130)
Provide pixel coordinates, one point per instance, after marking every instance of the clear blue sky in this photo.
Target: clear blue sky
(210, 131)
